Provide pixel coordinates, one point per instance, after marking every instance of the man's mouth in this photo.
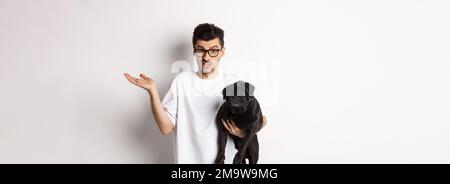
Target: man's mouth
(206, 65)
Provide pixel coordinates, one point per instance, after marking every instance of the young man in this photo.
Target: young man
(190, 106)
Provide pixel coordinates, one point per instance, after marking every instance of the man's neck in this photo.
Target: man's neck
(207, 76)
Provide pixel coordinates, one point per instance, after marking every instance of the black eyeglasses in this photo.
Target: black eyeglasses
(211, 52)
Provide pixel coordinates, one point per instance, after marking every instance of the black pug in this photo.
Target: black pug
(242, 107)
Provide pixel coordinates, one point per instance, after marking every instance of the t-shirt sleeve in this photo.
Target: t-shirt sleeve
(170, 103)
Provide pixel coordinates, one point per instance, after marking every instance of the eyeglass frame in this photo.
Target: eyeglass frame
(207, 51)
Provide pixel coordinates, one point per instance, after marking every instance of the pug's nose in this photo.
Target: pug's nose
(235, 104)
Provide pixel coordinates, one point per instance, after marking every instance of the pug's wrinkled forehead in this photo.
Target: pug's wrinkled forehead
(239, 88)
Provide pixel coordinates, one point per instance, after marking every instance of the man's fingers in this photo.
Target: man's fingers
(126, 75)
(130, 78)
(233, 128)
(263, 121)
(234, 125)
(225, 124)
(143, 76)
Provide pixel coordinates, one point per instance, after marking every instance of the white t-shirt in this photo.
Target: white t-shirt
(192, 104)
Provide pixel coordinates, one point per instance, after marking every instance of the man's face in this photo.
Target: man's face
(208, 54)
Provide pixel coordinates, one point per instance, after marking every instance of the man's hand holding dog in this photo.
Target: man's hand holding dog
(236, 131)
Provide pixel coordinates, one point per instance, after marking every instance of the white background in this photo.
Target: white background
(350, 81)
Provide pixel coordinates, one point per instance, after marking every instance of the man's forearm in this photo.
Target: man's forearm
(160, 115)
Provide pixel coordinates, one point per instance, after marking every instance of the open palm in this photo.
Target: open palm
(143, 82)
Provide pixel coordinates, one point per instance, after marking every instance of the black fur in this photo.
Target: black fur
(242, 107)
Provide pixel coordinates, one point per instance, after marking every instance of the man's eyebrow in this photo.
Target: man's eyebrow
(201, 47)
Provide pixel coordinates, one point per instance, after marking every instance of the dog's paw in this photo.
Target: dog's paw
(237, 160)
(220, 160)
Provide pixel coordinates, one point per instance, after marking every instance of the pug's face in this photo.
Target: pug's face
(238, 96)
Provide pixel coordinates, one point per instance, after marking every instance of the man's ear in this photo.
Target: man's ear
(223, 52)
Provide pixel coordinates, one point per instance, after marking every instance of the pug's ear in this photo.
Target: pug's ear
(224, 93)
(230, 90)
(249, 89)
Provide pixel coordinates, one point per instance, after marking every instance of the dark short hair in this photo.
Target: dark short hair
(207, 32)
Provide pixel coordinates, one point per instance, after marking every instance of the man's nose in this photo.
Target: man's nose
(206, 57)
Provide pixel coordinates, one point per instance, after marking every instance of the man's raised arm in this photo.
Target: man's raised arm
(160, 115)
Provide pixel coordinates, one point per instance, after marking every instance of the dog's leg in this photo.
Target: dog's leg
(253, 151)
(222, 139)
(239, 157)
(247, 155)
